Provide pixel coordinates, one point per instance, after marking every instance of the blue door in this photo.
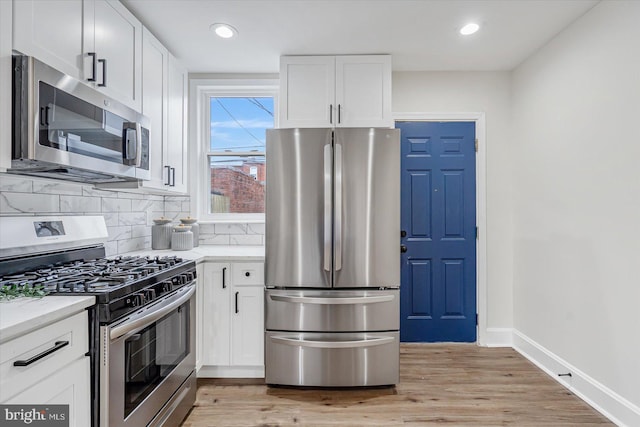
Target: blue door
(438, 222)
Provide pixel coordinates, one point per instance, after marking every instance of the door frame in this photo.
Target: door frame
(481, 202)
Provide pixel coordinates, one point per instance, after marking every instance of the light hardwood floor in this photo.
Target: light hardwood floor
(453, 384)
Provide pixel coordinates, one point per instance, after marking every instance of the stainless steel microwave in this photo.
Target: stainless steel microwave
(64, 129)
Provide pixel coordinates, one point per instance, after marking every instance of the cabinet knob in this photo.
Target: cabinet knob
(247, 274)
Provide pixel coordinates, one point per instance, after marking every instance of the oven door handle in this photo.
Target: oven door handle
(151, 316)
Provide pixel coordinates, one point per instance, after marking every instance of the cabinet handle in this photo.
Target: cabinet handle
(331, 113)
(104, 73)
(237, 311)
(339, 110)
(93, 67)
(224, 278)
(58, 345)
(168, 168)
(173, 177)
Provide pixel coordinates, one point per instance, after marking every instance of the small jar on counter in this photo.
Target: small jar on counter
(161, 233)
(195, 228)
(182, 238)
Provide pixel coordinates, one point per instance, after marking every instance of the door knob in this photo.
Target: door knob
(403, 248)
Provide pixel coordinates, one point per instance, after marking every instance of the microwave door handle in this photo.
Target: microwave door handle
(138, 156)
(132, 144)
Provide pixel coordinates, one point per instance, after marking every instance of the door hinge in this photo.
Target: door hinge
(476, 232)
(476, 319)
(476, 145)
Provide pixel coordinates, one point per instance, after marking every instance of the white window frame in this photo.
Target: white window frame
(202, 90)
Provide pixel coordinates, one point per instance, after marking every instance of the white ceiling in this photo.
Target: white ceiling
(420, 34)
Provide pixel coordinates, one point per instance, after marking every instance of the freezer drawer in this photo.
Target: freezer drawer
(332, 359)
(332, 311)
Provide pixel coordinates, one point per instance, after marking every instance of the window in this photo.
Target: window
(233, 120)
(237, 153)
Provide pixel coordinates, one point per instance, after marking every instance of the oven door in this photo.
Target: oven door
(145, 359)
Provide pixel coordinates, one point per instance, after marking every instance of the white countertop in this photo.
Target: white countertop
(211, 253)
(22, 315)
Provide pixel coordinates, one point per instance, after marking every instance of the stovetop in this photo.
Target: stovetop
(119, 284)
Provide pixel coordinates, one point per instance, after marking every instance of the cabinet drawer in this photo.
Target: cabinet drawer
(15, 379)
(248, 273)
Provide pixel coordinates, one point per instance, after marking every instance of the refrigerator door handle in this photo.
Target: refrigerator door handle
(338, 209)
(332, 301)
(327, 207)
(333, 344)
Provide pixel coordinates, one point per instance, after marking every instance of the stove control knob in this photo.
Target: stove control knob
(149, 294)
(135, 300)
(166, 286)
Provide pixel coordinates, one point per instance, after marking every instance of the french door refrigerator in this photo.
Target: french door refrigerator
(332, 262)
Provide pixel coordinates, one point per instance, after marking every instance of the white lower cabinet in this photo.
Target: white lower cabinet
(52, 368)
(67, 386)
(232, 320)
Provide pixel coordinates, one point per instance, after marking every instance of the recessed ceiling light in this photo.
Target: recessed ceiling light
(225, 31)
(469, 29)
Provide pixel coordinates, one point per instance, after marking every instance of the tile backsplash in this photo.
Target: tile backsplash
(128, 215)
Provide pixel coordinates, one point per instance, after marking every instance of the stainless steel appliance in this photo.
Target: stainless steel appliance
(142, 328)
(332, 269)
(65, 129)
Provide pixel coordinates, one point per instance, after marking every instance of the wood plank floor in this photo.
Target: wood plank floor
(454, 384)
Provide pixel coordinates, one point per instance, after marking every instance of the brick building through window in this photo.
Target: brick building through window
(238, 188)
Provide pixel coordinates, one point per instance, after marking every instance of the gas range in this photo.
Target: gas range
(142, 327)
(121, 285)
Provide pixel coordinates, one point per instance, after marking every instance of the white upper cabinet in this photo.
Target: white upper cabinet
(52, 31)
(96, 41)
(335, 91)
(165, 98)
(177, 104)
(117, 44)
(363, 91)
(155, 59)
(307, 91)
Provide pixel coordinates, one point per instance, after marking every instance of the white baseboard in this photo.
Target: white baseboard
(230, 371)
(613, 406)
(498, 337)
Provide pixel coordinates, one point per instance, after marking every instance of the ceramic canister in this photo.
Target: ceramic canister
(182, 238)
(195, 228)
(161, 233)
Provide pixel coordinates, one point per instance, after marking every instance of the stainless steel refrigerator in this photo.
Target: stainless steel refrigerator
(332, 264)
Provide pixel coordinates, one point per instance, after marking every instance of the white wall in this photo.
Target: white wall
(488, 92)
(576, 151)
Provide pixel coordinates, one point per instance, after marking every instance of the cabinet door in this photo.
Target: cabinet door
(199, 313)
(52, 31)
(307, 91)
(247, 326)
(363, 91)
(176, 143)
(216, 314)
(66, 386)
(154, 105)
(118, 41)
